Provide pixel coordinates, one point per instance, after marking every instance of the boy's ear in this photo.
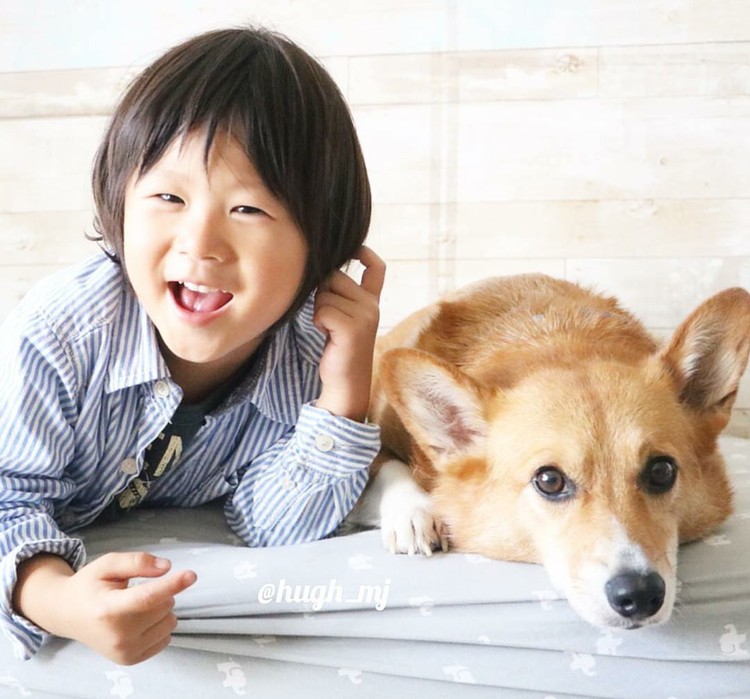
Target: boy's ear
(440, 407)
(708, 352)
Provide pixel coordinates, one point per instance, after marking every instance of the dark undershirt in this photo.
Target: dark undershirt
(165, 451)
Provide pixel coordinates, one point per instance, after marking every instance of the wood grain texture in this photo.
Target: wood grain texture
(603, 141)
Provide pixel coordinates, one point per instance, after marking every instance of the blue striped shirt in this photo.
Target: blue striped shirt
(85, 390)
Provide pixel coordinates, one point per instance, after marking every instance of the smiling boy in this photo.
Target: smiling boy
(216, 351)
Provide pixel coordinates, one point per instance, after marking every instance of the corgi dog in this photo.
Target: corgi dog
(529, 419)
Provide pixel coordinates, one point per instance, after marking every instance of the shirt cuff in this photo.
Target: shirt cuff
(25, 636)
(332, 445)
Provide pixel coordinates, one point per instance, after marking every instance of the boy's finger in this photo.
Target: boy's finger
(331, 320)
(341, 286)
(161, 628)
(153, 650)
(123, 566)
(373, 277)
(147, 595)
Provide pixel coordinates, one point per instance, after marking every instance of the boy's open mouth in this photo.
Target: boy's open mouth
(197, 298)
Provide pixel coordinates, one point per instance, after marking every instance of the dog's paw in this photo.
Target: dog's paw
(409, 526)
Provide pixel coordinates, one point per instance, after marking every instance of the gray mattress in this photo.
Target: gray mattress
(343, 618)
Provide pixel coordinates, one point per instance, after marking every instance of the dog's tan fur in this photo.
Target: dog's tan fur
(479, 391)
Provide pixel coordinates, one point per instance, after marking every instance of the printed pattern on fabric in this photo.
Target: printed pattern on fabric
(327, 617)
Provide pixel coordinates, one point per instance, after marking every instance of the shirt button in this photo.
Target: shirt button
(161, 389)
(289, 484)
(129, 467)
(324, 442)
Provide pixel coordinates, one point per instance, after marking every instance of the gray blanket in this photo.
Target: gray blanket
(343, 618)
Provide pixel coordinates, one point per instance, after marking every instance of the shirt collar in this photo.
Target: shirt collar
(279, 384)
(276, 386)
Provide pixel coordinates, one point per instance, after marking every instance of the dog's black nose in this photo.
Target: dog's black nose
(636, 596)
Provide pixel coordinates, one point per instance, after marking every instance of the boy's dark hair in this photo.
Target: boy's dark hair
(279, 104)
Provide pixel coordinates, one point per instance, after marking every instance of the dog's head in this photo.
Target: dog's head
(596, 469)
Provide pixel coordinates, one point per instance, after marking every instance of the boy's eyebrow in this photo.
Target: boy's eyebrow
(159, 172)
(253, 182)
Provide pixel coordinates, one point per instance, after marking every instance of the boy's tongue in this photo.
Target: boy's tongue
(198, 302)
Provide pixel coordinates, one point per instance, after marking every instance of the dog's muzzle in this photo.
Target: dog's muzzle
(636, 595)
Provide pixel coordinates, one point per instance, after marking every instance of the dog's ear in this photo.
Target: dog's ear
(708, 353)
(439, 406)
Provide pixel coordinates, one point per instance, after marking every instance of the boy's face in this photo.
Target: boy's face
(213, 258)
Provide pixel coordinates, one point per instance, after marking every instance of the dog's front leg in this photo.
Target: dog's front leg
(394, 501)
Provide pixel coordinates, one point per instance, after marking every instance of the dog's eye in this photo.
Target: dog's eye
(551, 483)
(659, 475)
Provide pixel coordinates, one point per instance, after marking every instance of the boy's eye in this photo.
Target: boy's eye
(169, 198)
(247, 210)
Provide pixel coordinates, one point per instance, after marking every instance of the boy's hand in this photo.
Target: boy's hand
(349, 313)
(96, 607)
(127, 624)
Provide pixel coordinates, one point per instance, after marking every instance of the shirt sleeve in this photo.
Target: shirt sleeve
(37, 409)
(302, 488)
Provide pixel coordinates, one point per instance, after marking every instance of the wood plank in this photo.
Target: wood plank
(61, 93)
(719, 70)
(495, 24)
(89, 92)
(403, 231)
(398, 145)
(603, 149)
(30, 36)
(47, 163)
(686, 148)
(470, 271)
(656, 71)
(409, 285)
(473, 76)
(558, 150)
(45, 238)
(606, 228)
(662, 292)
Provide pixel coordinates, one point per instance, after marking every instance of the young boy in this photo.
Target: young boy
(215, 351)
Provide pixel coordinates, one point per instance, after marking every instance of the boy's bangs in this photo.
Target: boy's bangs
(210, 99)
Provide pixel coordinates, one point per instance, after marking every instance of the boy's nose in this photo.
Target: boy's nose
(201, 237)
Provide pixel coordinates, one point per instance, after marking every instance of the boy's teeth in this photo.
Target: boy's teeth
(198, 298)
(199, 288)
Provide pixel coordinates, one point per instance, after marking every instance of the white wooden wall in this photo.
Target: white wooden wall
(602, 141)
